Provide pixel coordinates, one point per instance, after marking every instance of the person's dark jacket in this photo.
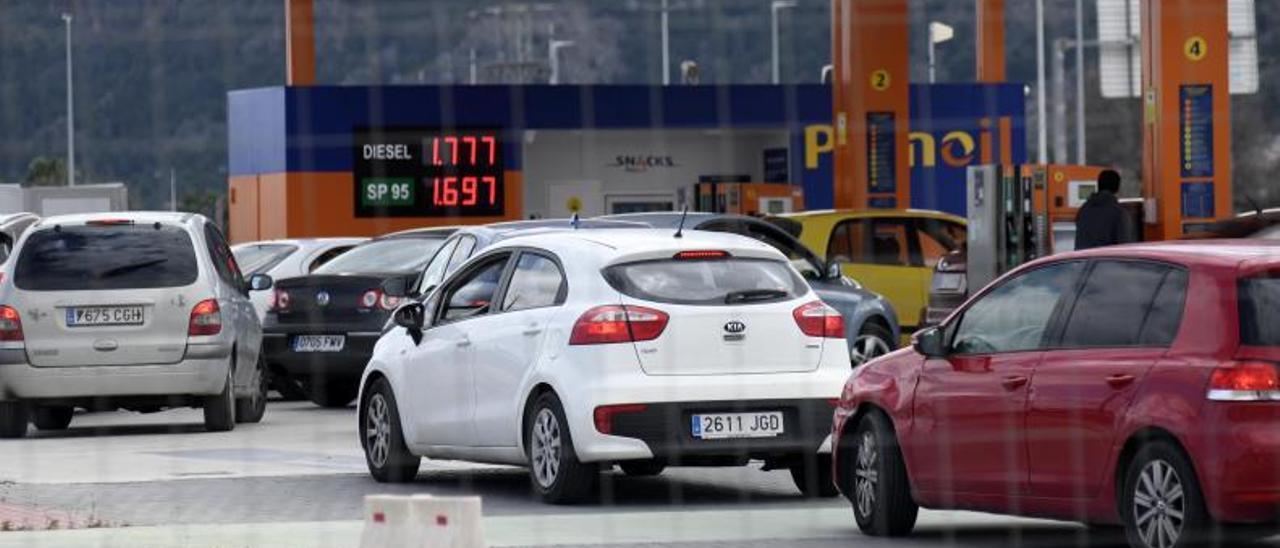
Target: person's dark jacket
(1101, 222)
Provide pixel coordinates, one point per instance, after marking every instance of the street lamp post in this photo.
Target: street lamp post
(666, 46)
(1042, 137)
(938, 33)
(554, 47)
(71, 112)
(778, 5)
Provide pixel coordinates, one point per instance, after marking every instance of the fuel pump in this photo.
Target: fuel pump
(1019, 213)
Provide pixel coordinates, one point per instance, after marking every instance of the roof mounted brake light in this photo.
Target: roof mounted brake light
(702, 254)
(109, 222)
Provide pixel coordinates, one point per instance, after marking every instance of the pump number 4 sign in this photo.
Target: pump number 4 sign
(1196, 48)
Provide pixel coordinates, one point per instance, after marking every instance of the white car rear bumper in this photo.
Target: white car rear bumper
(663, 429)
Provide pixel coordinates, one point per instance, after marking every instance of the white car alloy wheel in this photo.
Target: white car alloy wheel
(867, 478)
(377, 431)
(1159, 507)
(545, 449)
(866, 348)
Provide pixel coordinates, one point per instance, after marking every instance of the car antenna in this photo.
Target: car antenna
(574, 221)
(684, 213)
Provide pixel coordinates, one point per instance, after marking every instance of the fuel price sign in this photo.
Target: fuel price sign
(432, 172)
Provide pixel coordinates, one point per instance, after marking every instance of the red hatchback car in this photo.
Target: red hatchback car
(1134, 385)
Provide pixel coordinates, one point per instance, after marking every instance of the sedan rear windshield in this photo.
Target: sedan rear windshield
(259, 258)
(707, 281)
(106, 257)
(1259, 311)
(394, 255)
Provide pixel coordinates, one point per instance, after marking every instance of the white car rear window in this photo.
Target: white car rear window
(707, 281)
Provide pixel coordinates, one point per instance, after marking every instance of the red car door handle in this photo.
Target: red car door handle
(1119, 381)
(1014, 382)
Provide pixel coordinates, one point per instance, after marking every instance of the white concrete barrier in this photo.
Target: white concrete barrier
(421, 521)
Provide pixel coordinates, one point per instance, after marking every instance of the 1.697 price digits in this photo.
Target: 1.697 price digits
(463, 191)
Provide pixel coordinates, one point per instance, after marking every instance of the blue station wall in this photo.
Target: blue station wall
(309, 129)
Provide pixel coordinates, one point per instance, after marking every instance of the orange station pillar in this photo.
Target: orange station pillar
(1186, 144)
(870, 45)
(990, 41)
(300, 43)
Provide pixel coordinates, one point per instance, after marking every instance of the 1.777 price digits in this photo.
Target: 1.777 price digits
(463, 191)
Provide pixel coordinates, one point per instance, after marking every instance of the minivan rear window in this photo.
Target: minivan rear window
(1259, 303)
(106, 257)
(707, 281)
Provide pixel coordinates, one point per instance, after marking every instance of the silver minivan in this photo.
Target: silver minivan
(130, 310)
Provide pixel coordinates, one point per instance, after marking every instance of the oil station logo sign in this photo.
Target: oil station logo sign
(428, 172)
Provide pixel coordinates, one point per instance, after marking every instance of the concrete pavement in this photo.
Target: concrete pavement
(298, 479)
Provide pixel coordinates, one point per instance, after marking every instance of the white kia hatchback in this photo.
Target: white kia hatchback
(132, 310)
(572, 351)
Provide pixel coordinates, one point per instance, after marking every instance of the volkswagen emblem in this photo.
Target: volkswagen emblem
(322, 298)
(735, 327)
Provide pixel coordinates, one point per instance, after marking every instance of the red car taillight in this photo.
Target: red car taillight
(10, 324)
(279, 301)
(618, 324)
(604, 415)
(206, 319)
(1245, 381)
(816, 319)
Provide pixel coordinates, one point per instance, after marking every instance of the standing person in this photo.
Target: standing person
(1101, 221)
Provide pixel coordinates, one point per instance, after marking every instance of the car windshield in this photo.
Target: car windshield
(706, 282)
(259, 258)
(392, 255)
(106, 257)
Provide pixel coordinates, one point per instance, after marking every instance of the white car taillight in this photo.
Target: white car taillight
(816, 319)
(206, 319)
(10, 324)
(1245, 381)
(618, 324)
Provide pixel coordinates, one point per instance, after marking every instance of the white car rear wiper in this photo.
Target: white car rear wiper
(748, 295)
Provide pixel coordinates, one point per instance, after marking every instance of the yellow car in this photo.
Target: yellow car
(891, 252)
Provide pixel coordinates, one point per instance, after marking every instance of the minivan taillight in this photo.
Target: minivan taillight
(618, 324)
(10, 324)
(1245, 381)
(816, 319)
(206, 319)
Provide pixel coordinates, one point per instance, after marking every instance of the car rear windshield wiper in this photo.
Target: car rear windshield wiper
(124, 269)
(749, 295)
